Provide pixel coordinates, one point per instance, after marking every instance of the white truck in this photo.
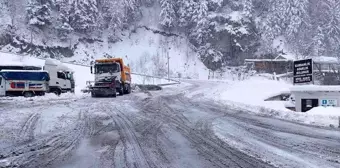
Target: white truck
(61, 77)
(26, 83)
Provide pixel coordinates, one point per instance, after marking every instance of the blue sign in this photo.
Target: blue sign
(324, 102)
(329, 102)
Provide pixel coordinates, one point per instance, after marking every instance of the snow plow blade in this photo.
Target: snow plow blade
(103, 90)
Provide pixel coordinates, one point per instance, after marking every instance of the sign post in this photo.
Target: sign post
(303, 71)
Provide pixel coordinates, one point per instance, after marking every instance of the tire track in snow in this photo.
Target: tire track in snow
(219, 153)
(27, 130)
(42, 151)
(289, 137)
(130, 141)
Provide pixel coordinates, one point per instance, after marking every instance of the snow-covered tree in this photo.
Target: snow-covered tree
(168, 14)
(148, 3)
(39, 12)
(13, 8)
(210, 56)
(83, 15)
(331, 27)
(132, 10)
(248, 8)
(284, 18)
(202, 30)
(186, 13)
(112, 14)
(62, 23)
(318, 43)
(296, 15)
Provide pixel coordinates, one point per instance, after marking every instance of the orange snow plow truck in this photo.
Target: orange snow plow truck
(111, 76)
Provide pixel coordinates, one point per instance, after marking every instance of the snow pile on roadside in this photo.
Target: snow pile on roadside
(249, 96)
(250, 92)
(254, 91)
(47, 97)
(329, 116)
(325, 111)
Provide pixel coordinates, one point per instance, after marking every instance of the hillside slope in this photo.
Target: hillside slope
(147, 52)
(223, 33)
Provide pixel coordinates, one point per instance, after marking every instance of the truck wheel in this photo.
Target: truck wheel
(41, 94)
(127, 89)
(28, 94)
(57, 92)
(121, 90)
(93, 94)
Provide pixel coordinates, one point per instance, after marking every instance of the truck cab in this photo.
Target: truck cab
(62, 79)
(108, 71)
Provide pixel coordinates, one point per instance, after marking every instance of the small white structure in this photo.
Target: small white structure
(310, 96)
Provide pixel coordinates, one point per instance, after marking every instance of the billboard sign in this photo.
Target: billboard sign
(303, 71)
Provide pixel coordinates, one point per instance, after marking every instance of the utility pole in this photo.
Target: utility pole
(168, 56)
(168, 65)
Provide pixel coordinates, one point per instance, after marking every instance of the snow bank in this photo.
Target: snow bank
(252, 92)
(249, 96)
(48, 97)
(325, 111)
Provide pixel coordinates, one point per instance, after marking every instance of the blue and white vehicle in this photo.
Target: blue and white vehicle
(26, 83)
(61, 77)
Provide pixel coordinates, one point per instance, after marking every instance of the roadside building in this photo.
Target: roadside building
(326, 69)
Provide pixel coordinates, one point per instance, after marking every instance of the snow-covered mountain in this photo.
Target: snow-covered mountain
(214, 32)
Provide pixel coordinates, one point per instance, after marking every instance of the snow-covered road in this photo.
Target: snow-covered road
(155, 129)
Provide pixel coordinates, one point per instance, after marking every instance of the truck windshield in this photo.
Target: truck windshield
(69, 76)
(107, 68)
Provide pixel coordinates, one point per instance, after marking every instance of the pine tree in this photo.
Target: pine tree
(132, 10)
(202, 30)
(318, 42)
(210, 56)
(248, 8)
(39, 12)
(201, 10)
(62, 24)
(112, 13)
(331, 26)
(186, 13)
(284, 18)
(274, 20)
(83, 15)
(168, 15)
(214, 4)
(296, 15)
(13, 9)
